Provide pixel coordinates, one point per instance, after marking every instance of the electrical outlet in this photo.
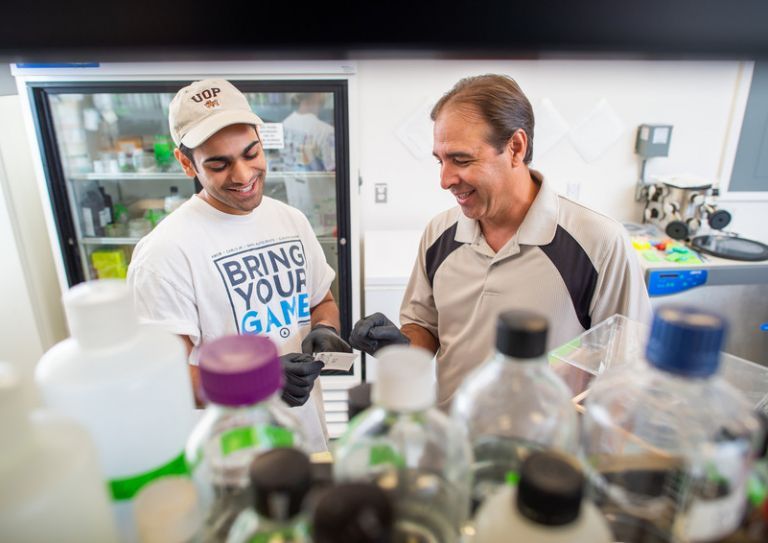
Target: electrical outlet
(380, 193)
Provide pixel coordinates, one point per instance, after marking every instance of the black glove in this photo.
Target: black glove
(374, 332)
(324, 339)
(300, 371)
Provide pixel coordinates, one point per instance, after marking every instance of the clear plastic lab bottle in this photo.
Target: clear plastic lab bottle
(669, 444)
(410, 449)
(514, 404)
(241, 378)
(173, 200)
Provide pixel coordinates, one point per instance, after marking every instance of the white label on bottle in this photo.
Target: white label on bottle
(88, 222)
(709, 520)
(104, 217)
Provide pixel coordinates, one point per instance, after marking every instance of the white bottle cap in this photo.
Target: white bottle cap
(100, 313)
(406, 379)
(168, 511)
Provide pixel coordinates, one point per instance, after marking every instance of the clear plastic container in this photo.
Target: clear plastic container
(127, 384)
(669, 444)
(280, 481)
(612, 342)
(546, 506)
(514, 404)
(618, 340)
(241, 378)
(410, 449)
(51, 486)
(173, 200)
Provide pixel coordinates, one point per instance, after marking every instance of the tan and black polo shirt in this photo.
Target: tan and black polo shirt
(566, 262)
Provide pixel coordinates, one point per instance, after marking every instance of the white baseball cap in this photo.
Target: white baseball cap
(203, 108)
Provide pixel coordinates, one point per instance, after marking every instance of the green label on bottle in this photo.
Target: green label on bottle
(128, 487)
(512, 478)
(245, 437)
(384, 454)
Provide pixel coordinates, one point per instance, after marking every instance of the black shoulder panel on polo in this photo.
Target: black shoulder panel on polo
(439, 251)
(577, 271)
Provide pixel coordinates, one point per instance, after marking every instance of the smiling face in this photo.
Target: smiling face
(477, 174)
(231, 167)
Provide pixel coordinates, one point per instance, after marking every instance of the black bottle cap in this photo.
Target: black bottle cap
(353, 513)
(550, 489)
(280, 479)
(358, 399)
(521, 334)
(174, 189)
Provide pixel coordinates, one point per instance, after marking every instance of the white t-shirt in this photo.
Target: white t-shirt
(205, 274)
(309, 143)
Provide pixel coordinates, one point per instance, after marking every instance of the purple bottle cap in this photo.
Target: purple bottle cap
(240, 370)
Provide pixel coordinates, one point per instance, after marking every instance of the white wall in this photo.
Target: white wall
(31, 315)
(19, 340)
(695, 96)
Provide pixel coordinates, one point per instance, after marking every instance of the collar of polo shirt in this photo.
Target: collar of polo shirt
(538, 227)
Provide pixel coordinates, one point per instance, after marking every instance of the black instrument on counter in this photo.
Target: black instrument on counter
(735, 248)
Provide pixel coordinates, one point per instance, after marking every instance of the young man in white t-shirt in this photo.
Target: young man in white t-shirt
(231, 261)
(309, 141)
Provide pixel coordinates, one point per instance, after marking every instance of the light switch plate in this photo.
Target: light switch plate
(380, 193)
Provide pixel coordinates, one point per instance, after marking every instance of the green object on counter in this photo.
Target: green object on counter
(652, 256)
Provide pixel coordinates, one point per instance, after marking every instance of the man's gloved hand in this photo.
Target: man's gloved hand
(324, 339)
(300, 371)
(374, 332)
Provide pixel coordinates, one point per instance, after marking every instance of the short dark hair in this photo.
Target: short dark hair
(500, 102)
(189, 153)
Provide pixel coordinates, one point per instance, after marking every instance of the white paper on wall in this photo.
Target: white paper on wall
(272, 135)
(415, 132)
(593, 136)
(550, 127)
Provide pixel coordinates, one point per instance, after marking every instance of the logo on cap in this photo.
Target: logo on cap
(209, 95)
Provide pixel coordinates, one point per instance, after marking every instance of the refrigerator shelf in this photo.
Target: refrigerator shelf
(109, 241)
(178, 176)
(131, 176)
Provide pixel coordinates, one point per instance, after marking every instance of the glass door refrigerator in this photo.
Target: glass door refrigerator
(111, 177)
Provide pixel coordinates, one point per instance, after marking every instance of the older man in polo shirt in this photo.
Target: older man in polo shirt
(512, 243)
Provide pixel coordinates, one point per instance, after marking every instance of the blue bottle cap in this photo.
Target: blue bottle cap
(686, 341)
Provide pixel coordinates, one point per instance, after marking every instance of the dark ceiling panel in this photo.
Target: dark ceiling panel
(164, 29)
